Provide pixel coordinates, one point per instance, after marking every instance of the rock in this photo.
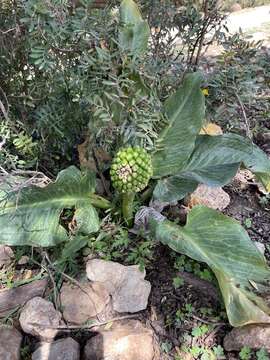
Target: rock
(266, 136)
(235, 7)
(132, 295)
(18, 296)
(253, 336)
(6, 255)
(37, 316)
(131, 341)
(215, 198)
(184, 355)
(243, 178)
(63, 349)
(126, 284)
(23, 260)
(80, 306)
(10, 342)
(260, 247)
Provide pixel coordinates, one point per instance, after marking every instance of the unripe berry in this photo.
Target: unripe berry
(131, 169)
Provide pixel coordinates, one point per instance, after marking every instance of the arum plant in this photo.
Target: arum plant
(131, 171)
(183, 158)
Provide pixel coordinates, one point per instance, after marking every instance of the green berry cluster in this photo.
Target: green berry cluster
(131, 169)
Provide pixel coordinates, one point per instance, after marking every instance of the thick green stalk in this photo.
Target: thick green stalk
(147, 194)
(127, 207)
(100, 202)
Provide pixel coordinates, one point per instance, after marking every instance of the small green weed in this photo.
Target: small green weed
(183, 263)
(248, 223)
(245, 353)
(178, 282)
(200, 330)
(262, 354)
(265, 201)
(113, 243)
(25, 352)
(219, 352)
(166, 347)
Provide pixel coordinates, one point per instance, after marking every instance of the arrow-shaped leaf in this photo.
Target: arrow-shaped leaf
(134, 32)
(32, 215)
(214, 161)
(185, 113)
(224, 245)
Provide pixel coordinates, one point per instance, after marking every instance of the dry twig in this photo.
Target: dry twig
(72, 280)
(248, 132)
(87, 327)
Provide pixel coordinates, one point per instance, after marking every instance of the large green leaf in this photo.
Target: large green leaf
(32, 215)
(185, 113)
(214, 161)
(173, 188)
(134, 32)
(259, 163)
(224, 245)
(130, 13)
(71, 248)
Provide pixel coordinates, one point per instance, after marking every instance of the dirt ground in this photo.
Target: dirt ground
(253, 22)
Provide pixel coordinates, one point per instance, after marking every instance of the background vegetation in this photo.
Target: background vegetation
(61, 77)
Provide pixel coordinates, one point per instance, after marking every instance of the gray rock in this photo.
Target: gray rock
(266, 136)
(80, 306)
(253, 336)
(126, 284)
(214, 198)
(10, 342)
(63, 349)
(6, 255)
(39, 317)
(260, 247)
(131, 341)
(23, 260)
(18, 296)
(235, 7)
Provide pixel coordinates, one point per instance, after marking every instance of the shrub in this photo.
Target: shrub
(65, 76)
(239, 87)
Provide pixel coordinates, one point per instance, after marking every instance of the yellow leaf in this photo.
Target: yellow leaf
(27, 274)
(211, 129)
(205, 91)
(108, 325)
